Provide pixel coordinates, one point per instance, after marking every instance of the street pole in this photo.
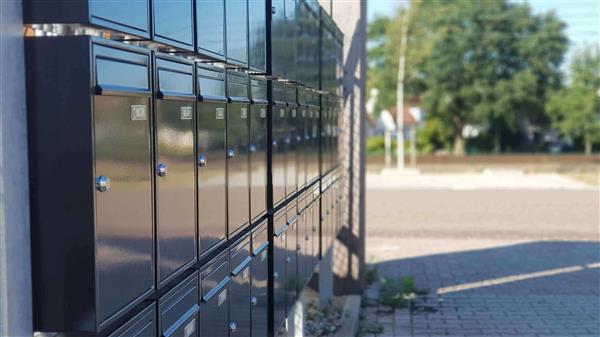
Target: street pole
(400, 91)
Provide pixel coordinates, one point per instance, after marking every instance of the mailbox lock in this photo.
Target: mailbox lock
(252, 148)
(253, 300)
(201, 160)
(298, 138)
(230, 153)
(102, 183)
(161, 169)
(276, 275)
(288, 259)
(307, 137)
(232, 326)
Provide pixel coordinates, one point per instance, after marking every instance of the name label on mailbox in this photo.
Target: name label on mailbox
(303, 113)
(294, 113)
(222, 297)
(186, 112)
(190, 328)
(220, 113)
(281, 113)
(263, 113)
(246, 274)
(244, 112)
(139, 113)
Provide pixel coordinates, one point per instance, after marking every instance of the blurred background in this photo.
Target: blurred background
(485, 220)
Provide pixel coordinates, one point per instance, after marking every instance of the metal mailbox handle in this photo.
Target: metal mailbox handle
(202, 160)
(253, 300)
(230, 153)
(103, 183)
(161, 169)
(232, 326)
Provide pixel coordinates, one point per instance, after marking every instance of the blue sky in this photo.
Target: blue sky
(582, 17)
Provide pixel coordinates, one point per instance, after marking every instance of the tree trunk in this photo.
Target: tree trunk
(459, 145)
(497, 141)
(588, 146)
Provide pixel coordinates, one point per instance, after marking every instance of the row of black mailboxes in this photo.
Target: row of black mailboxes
(231, 30)
(133, 182)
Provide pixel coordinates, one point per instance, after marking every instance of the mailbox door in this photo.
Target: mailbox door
(178, 309)
(214, 300)
(258, 160)
(210, 27)
(237, 31)
(175, 191)
(142, 324)
(237, 165)
(290, 143)
(124, 224)
(259, 275)
(291, 264)
(279, 164)
(128, 16)
(257, 32)
(173, 22)
(240, 302)
(279, 270)
(211, 175)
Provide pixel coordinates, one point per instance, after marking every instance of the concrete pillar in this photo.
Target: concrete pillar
(326, 279)
(15, 266)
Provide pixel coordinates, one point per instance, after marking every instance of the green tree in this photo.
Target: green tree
(575, 110)
(490, 63)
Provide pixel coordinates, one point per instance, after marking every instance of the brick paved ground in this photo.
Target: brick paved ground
(531, 277)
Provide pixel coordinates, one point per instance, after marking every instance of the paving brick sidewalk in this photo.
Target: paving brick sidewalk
(544, 283)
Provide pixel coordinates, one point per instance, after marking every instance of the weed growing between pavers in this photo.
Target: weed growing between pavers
(397, 293)
(371, 275)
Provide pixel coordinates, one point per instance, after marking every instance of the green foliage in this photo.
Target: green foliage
(396, 293)
(376, 145)
(575, 110)
(371, 275)
(491, 63)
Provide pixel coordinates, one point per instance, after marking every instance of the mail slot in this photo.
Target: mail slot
(240, 288)
(237, 154)
(237, 31)
(257, 35)
(215, 277)
(278, 145)
(211, 157)
(142, 324)
(173, 22)
(279, 269)
(128, 17)
(174, 166)
(210, 28)
(258, 148)
(98, 147)
(178, 309)
(259, 275)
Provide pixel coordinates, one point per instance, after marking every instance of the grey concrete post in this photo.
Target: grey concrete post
(15, 265)
(326, 279)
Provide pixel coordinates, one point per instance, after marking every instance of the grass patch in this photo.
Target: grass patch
(397, 293)
(371, 275)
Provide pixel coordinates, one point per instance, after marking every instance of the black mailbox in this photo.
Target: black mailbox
(211, 157)
(259, 275)
(278, 145)
(237, 32)
(210, 28)
(142, 324)
(240, 302)
(258, 148)
(178, 309)
(127, 17)
(257, 35)
(91, 180)
(289, 42)
(291, 142)
(215, 277)
(237, 155)
(291, 263)
(174, 166)
(279, 269)
(173, 22)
